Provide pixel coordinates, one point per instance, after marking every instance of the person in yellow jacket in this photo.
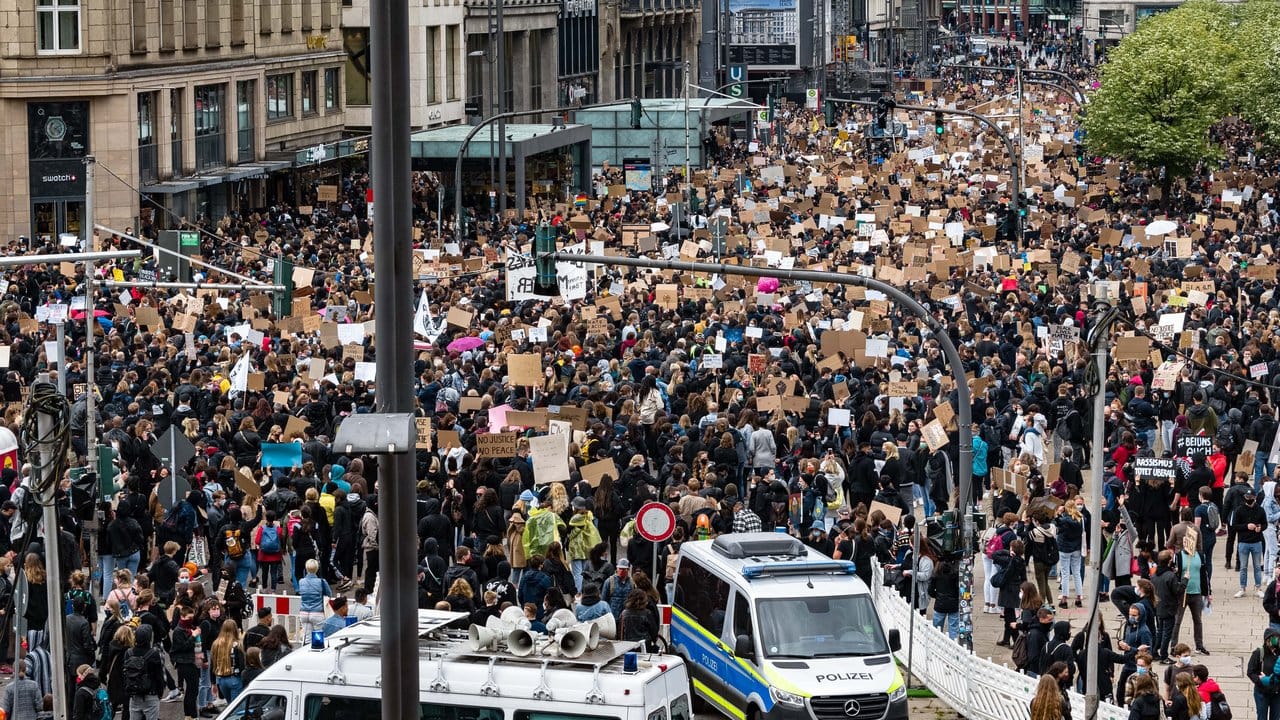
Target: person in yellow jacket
(541, 528)
(583, 536)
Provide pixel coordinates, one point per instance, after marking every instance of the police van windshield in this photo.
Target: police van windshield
(814, 627)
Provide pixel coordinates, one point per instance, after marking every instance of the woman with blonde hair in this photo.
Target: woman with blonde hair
(112, 667)
(461, 598)
(226, 660)
(558, 499)
(37, 612)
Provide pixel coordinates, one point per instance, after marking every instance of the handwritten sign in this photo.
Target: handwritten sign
(496, 445)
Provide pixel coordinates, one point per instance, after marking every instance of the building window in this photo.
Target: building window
(309, 92)
(355, 41)
(454, 34)
(58, 26)
(237, 22)
(212, 23)
(331, 90)
(326, 14)
(190, 26)
(175, 129)
(139, 19)
(279, 97)
(429, 53)
(244, 120)
(308, 9)
(166, 25)
(535, 69)
(148, 155)
(475, 83)
(211, 127)
(286, 16)
(264, 18)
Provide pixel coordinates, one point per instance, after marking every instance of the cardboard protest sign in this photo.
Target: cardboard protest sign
(1153, 467)
(423, 427)
(536, 420)
(892, 513)
(550, 455)
(596, 471)
(935, 435)
(496, 445)
(525, 369)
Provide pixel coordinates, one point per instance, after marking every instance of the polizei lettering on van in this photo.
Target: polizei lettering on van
(837, 677)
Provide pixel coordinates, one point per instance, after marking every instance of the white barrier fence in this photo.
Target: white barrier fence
(976, 688)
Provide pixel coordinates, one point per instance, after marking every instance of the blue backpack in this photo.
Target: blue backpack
(270, 540)
(102, 705)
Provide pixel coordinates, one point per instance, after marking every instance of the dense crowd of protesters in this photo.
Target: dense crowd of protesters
(166, 619)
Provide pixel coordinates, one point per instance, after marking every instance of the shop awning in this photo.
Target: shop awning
(171, 187)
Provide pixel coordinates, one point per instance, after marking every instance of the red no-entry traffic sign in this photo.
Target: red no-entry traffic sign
(655, 522)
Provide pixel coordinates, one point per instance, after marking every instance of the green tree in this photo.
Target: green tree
(1255, 34)
(1163, 88)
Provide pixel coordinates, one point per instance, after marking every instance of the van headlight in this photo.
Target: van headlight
(899, 694)
(787, 698)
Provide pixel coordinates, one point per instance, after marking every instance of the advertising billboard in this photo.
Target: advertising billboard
(764, 33)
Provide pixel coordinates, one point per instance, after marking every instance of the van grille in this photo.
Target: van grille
(833, 707)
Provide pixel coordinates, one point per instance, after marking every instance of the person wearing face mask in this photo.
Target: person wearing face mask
(1249, 521)
(1142, 669)
(1261, 672)
(1136, 639)
(1181, 656)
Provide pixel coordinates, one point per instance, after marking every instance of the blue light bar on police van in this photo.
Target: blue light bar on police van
(756, 570)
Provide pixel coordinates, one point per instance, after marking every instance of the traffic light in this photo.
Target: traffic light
(636, 111)
(938, 127)
(84, 492)
(829, 112)
(545, 281)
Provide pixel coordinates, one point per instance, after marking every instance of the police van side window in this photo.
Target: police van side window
(742, 616)
(259, 706)
(659, 714)
(702, 595)
(680, 708)
(333, 707)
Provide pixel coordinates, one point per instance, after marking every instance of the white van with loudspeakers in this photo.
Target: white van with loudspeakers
(774, 630)
(494, 673)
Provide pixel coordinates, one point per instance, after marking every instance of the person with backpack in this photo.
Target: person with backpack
(1207, 520)
(232, 542)
(1211, 694)
(90, 699)
(1034, 659)
(143, 670)
(269, 541)
(1261, 672)
(996, 539)
(1011, 573)
(1042, 548)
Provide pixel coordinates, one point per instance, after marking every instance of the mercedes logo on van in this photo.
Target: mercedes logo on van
(852, 708)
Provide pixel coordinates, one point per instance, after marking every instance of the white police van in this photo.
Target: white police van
(773, 630)
(461, 681)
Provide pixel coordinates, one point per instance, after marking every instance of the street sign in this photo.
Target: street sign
(812, 98)
(738, 76)
(655, 522)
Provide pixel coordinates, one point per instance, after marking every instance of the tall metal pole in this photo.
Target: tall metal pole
(53, 569)
(1022, 139)
(964, 401)
(686, 183)
(1099, 338)
(502, 107)
(62, 358)
(90, 400)
(397, 543)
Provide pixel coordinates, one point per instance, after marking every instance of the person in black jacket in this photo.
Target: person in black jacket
(1169, 589)
(183, 654)
(1038, 643)
(84, 701)
(862, 480)
(1009, 561)
(944, 588)
(1261, 672)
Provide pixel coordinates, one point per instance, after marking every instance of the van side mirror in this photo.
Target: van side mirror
(743, 648)
(895, 640)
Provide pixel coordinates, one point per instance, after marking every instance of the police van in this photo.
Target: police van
(773, 630)
(480, 674)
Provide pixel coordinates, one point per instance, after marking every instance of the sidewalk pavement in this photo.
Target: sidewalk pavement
(1232, 630)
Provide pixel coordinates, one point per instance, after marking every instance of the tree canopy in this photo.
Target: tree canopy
(1182, 72)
